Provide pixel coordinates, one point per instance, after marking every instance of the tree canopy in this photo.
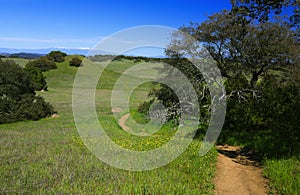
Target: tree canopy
(259, 61)
(261, 9)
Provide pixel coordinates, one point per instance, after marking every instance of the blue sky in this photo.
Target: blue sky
(36, 24)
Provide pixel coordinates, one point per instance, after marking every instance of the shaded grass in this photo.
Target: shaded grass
(48, 156)
(284, 175)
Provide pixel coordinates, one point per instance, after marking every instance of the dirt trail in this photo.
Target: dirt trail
(122, 123)
(238, 173)
(123, 119)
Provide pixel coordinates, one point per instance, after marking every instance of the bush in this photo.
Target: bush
(33, 107)
(37, 77)
(17, 93)
(56, 56)
(75, 62)
(43, 63)
(268, 124)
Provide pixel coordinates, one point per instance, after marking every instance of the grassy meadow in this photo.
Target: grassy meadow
(48, 156)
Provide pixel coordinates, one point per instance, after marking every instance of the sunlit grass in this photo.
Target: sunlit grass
(48, 156)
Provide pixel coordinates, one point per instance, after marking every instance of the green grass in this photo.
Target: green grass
(22, 62)
(48, 156)
(284, 175)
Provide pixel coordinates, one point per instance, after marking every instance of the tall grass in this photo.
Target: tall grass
(284, 175)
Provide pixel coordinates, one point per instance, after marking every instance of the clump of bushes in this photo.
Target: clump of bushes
(17, 93)
(43, 63)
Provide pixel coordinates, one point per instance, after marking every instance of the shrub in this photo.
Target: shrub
(75, 62)
(43, 63)
(17, 93)
(56, 56)
(268, 124)
(37, 77)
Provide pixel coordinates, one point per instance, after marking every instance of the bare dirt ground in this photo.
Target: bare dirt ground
(123, 119)
(122, 122)
(116, 110)
(238, 172)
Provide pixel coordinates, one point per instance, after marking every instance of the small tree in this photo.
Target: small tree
(56, 56)
(75, 62)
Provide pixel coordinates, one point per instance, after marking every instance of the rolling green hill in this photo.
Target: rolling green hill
(22, 62)
(48, 156)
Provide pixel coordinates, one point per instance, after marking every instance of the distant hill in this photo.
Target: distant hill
(4, 54)
(44, 51)
(26, 55)
(84, 51)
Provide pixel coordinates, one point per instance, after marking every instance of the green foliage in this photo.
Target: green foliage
(165, 95)
(284, 175)
(18, 99)
(37, 77)
(268, 123)
(56, 56)
(144, 107)
(31, 107)
(278, 108)
(255, 60)
(102, 58)
(75, 62)
(43, 63)
(261, 10)
(241, 47)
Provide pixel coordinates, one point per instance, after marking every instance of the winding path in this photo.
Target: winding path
(122, 123)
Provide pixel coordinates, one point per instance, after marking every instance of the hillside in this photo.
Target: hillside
(48, 156)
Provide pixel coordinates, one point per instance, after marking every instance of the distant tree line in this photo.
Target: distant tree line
(102, 58)
(25, 55)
